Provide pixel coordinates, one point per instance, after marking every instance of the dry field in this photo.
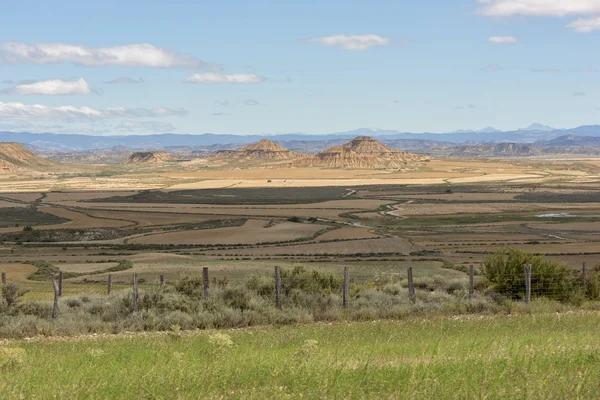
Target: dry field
(252, 232)
(348, 232)
(452, 210)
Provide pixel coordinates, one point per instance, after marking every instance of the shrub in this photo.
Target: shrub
(10, 294)
(506, 274)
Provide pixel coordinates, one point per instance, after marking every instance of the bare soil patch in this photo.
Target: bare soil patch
(252, 232)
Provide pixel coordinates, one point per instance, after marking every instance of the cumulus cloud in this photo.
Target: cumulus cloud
(221, 103)
(558, 8)
(123, 80)
(132, 55)
(503, 39)
(580, 94)
(20, 111)
(214, 77)
(219, 114)
(146, 126)
(547, 8)
(352, 42)
(585, 25)
(53, 87)
(251, 102)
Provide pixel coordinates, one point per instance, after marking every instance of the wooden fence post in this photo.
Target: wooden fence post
(346, 282)
(277, 287)
(55, 305)
(135, 294)
(60, 283)
(109, 284)
(411, 287)
(527, 283)
(471, 282)
(162, 280)
(584, 276)
(206, 282)
(4, 279)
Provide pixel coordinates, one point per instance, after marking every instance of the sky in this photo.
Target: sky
(297, 66)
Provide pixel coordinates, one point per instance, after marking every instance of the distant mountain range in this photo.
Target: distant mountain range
(295, 141)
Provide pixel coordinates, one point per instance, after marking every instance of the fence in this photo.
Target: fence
(523, 288)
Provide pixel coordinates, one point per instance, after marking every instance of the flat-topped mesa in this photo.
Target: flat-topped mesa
(15, 157)
(144, 157)
(367, 145)
(262, 150)
(362, 152)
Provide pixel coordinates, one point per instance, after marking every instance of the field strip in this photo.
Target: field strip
(460, 318)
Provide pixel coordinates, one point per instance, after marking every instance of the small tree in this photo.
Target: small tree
(505, 271)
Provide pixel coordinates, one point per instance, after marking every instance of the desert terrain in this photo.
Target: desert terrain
(263, 205)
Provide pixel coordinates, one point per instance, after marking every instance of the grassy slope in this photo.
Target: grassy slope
(527, 356)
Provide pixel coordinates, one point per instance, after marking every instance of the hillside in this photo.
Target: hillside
(495, 150)
(572, 141)
(361, 152)
(145, 157)
(263, 150)
(15, 157)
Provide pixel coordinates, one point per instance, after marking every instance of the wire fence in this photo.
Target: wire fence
(523, 286)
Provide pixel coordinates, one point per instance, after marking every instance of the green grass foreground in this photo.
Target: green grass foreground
(535, 356)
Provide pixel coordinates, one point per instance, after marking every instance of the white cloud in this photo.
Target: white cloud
(54, 87)
(221, 103)
(122, 80)
(558, 8)
(251, 102)
(132, 55)
(352, 42)
(585, 25)
(20, 111)
(146, 126)
(503, 39)
(580, 94)
(213, 77)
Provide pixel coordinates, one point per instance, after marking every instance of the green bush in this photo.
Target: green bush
(505, 270)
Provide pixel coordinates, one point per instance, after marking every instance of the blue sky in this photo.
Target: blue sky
(297, 66)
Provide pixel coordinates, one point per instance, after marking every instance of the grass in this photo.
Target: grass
(548, 356)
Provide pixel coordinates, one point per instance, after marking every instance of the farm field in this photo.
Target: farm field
(519, 356)
(471, 209)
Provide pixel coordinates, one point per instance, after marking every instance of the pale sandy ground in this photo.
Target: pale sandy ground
(253, 231)
(348, 232)
(485, 208)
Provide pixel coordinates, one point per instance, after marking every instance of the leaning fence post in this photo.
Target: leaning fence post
(135, 294)
(471, 281)
(4, 279)
(346, 280)
(411, 287)
(56, 295)
(584, 277)
(527, 283)
(60, 283)
(277, 287)
(206, 282)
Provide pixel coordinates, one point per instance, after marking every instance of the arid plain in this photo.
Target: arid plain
(173, 218)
